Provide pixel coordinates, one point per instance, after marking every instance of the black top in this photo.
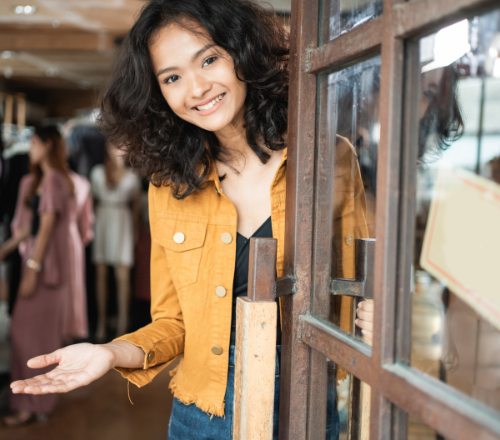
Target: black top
(35, 224)
(240, 282)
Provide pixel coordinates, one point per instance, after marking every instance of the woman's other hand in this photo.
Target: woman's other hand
(365, 319)
(79, 365)
(28, 284)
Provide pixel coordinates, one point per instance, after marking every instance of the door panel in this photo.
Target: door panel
(348, 136)
(340, 86)
(459, 129)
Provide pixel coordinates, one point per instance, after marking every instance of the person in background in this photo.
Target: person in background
(13, 170)
(40, 229)
(116, 194)
(81, 234)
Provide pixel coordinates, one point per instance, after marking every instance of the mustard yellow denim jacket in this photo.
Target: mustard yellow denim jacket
(193, 253)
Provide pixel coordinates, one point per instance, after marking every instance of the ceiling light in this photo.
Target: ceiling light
(25, 10)
(6, 54)
(450, 44)
(51, 72)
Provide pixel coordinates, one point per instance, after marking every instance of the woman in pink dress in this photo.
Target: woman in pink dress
(81, 234)
(40, 228)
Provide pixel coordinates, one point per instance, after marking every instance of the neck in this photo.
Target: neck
(233, 137)
(46, 167)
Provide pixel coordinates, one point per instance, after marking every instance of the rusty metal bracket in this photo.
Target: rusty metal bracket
(285, 286)
(262, 282)
(362, 286)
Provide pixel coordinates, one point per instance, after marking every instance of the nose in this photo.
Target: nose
(200, 85)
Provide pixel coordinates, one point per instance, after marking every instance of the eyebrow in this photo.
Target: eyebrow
(193, 58)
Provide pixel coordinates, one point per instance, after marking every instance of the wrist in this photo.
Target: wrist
(125, 354)
(114, 351)
(35, 266)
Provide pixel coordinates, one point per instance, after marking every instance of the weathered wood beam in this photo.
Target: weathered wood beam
(57, 40)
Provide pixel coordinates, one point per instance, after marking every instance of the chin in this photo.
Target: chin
(217, 124)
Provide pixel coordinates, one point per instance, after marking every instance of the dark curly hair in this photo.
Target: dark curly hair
(442, 123)
(163, 147)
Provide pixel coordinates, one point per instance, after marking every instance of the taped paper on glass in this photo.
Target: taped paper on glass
(462, 240)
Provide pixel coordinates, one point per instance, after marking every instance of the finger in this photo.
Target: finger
(366, 325)
(365, 316)
(43, 385)
(60, 386)
(367, 306)
(45, 360)
(368, 335)
(20, 385)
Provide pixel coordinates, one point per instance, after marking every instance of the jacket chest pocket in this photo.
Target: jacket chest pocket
(183, 243)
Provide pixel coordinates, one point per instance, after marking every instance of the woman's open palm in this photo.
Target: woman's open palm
(79, 365)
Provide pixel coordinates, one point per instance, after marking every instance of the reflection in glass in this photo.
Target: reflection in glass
(351, 129)
(340, 16)
(459, 130)
(348, 406)
(418, 430)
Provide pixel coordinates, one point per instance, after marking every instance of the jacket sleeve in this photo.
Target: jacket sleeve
(163, 340)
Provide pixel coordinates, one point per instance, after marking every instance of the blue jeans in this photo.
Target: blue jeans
(187, 422)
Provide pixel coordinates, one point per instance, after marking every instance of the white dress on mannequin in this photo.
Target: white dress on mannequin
(114, 225)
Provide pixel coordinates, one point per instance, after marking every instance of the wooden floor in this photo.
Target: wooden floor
(102, 411)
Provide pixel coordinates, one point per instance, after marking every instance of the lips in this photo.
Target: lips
(208, 103)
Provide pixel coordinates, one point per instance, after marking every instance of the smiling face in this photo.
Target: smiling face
(197, 78)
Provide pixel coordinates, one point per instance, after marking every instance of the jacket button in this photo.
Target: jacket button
(220, 291)
(349, 240)
(179, 237)
(151, 356)
(217, 350)
(226, 238)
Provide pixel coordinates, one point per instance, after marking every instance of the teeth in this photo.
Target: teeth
(211, 103)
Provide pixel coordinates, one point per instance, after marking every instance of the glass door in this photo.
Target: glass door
(392, 194)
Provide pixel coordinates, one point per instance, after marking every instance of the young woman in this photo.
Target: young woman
(41, 229)
(199, 99)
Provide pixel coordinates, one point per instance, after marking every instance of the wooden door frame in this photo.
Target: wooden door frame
(397, 389)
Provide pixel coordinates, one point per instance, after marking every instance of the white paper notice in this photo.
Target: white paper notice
(462, 240)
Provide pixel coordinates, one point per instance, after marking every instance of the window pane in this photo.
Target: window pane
(340, 16)
(347, 404)
(349, 135)
(456, 306)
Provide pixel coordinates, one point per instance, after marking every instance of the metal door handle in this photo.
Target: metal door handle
(362, 286)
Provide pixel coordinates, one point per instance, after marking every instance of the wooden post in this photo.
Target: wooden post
(255, 363)
(8, 113)
(21, 111)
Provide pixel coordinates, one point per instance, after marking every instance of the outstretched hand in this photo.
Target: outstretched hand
(79, 365)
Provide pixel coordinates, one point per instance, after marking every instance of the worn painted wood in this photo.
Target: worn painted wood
(254, 369)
